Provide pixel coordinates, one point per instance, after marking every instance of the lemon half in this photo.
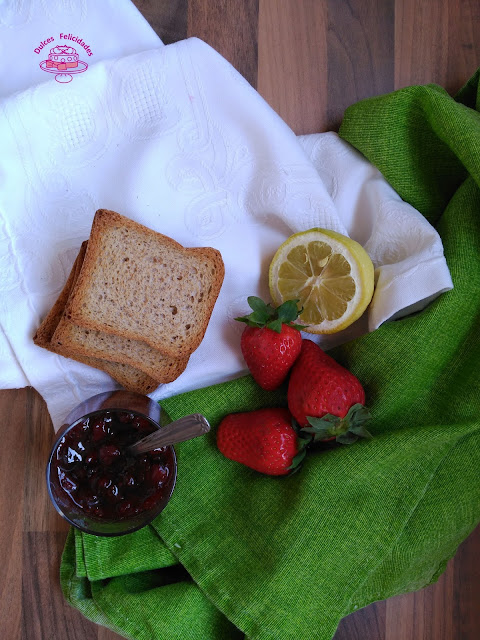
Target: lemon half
(331, 275)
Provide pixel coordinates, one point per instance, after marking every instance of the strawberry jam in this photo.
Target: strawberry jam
(94, 473)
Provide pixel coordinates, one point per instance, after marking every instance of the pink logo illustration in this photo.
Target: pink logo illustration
(63, 61)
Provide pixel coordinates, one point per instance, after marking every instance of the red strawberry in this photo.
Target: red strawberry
(264, 440)
(271, 343)
(325, 398)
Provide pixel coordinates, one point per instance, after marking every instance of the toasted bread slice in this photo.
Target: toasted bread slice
(142, 285)
(127, 376)
(138, 354)
(90, 343)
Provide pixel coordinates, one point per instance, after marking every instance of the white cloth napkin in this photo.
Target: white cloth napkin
(107, 28)
(175, 138)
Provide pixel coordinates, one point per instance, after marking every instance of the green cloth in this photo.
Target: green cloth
(236, 554)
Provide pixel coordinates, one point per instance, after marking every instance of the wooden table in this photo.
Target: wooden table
(309, 59)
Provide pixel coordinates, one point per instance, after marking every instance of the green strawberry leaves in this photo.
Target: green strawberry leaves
(345, 430)
(346, 438)
(303, 440)
(264, 315)
(288, 311)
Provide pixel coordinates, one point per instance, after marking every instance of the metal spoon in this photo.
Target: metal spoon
(185, 428)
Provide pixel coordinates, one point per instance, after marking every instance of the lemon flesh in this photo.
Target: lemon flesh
(331, 275)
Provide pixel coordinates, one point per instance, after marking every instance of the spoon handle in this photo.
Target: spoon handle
(180, 430)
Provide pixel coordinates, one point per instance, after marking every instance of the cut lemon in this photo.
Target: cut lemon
(330, 274)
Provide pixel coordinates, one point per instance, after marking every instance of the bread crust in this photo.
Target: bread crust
(45, 331)
(124, 374)
(164, 369)
(202, 268)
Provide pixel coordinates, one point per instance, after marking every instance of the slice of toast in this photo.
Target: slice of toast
(142, 285)
(127, 376)
(90, 343)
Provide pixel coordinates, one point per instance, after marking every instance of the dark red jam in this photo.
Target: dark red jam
(99, 477)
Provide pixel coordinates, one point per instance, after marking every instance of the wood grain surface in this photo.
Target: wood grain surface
(309, 59)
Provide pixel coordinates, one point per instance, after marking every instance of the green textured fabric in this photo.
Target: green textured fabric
(236, 554)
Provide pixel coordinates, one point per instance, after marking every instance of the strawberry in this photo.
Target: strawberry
(271, 342)
(264, 440)
(326, 399)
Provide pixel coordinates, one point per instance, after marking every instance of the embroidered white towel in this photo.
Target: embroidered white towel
(176, 139)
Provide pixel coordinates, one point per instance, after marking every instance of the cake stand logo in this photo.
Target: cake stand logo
(63, 60)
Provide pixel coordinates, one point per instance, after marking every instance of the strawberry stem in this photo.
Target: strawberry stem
(264, 315)
(346, 430)
(303, 441)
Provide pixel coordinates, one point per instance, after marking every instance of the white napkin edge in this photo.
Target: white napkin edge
(431, 280)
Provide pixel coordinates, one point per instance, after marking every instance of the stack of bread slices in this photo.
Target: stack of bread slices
(136, 303)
